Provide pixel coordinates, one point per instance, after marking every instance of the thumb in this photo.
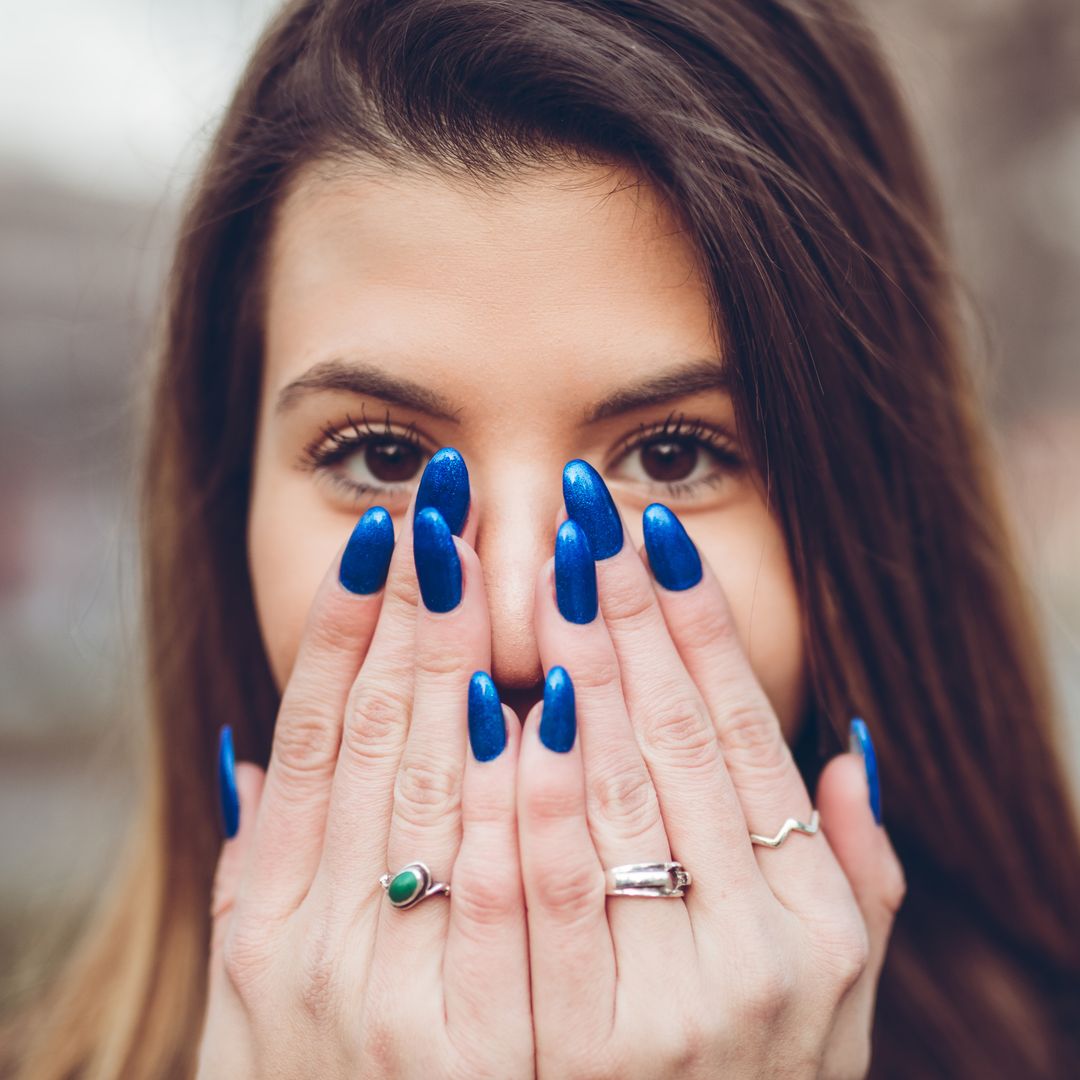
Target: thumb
(240, 789)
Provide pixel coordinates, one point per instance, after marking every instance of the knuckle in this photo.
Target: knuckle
(625, 799)
(375, 723)
(426, 791)
(749, 730)
(846, 956)
(485, 897)
(705, 625)
(569, 893)
(771, 993)
(681, 729)
(542, 807)
(630, 604)
(305, 745)
(440, 658)
(245, 959)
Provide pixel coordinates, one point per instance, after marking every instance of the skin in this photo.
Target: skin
(685, 699)
(521, 308)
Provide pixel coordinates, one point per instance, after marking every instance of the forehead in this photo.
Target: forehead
(561, 280)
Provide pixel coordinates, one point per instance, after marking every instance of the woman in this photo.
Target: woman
(598, 273)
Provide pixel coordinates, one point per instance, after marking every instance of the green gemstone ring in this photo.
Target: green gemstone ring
(411, 884)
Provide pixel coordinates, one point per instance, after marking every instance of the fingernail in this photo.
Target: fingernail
(487, 725)
(229, 800)
(589, 503)
(674, 559)
(558, 724)
(859, 742)
(575, 574)
(438, 568)
(444, 485)
(367, 554)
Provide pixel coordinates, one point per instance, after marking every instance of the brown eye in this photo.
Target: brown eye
(386, 461)
(668, 460)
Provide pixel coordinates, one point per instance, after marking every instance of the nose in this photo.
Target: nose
(515, 534)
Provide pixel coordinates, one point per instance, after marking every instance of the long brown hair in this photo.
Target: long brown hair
(774, 131)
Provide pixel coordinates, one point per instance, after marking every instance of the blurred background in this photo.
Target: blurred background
(105, 108)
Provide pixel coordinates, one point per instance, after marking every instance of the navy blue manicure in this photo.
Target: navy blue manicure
(558, 721)
(859, 742)
(674, 559)
(590, 504)
(487, 725)
(438, 568)
(229, 804)
(445, 485)
(575, 574)
(366, 558)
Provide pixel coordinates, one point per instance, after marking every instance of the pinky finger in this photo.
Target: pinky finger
(847, 801)
(240, 788)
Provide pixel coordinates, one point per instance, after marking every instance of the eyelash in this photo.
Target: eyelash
(333, 445)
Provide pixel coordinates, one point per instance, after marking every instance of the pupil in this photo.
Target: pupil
(668, 461)
(392, 461)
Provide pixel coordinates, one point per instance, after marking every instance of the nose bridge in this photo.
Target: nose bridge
(514, 538)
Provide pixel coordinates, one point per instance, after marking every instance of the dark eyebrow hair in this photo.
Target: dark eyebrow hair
(694, 377)
(362, 378)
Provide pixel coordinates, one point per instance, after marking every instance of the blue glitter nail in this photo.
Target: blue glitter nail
(366, 558)
(672, 555)
(438, 567)
(487, 725)
(859, 742)
(575, 574)
(590, 504)
(445, 485)
(558, 721)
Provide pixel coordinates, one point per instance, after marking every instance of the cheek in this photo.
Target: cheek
(749, 557)
(291, 543)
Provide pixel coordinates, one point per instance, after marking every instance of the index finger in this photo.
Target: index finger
(292, 816)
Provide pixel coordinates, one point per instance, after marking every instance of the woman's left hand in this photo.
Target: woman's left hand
(768, 966)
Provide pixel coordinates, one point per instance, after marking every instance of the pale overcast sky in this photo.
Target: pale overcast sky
(118, 96)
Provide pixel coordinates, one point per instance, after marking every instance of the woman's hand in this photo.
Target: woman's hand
(769, 964)
(313, 972)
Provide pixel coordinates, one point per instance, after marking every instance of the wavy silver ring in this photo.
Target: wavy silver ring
(648, 879)
(411, 884)
(789, 826)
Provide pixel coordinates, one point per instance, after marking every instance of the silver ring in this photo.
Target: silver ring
(789, 826)
(647, 879)
(411, 884)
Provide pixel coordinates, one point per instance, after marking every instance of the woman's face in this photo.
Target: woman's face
(551, 320)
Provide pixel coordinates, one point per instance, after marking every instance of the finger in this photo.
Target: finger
(245, 783)
(288, 838)
(571, 957)
(701, 810)
(453, 640)
(801, 871)
(863, 849)
(380, 701)
(623, 811)
(486, 965)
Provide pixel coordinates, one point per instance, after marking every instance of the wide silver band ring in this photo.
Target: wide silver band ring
(789, 826)
(648, 879)
(411, 884)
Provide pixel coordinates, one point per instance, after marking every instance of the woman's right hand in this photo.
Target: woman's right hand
(312, 971)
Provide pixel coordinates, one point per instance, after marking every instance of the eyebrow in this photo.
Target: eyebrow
(694, 377)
